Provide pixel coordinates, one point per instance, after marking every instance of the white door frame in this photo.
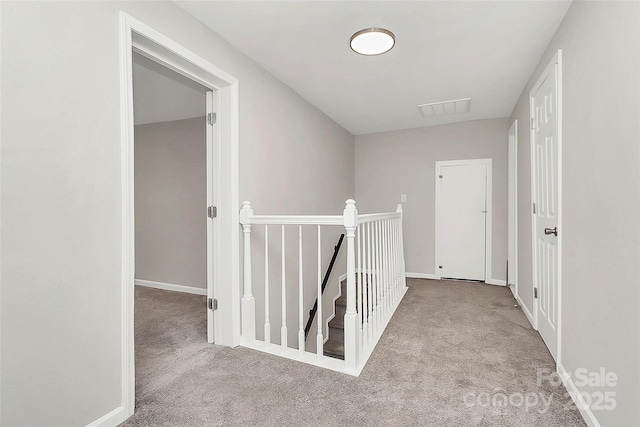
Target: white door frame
(488, 220)
(134, 35)
(554, 66)
(512, 235)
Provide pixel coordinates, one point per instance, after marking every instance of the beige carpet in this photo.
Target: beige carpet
(449, 357)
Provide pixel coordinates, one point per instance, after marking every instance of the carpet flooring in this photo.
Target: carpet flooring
(454, 354)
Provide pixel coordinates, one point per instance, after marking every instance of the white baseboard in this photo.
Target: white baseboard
(112, 419)
(495, 282)
(171, 287)
(526, 311)
(581, 404)
(420, 276)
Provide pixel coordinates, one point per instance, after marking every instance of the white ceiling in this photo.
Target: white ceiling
(162, 95)
(444, 50)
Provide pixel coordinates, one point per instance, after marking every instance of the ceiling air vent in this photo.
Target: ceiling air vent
(455, 106)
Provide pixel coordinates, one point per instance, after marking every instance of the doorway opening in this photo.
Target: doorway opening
(170, 179)
(463, 219)
(223, 313)
(172, 145)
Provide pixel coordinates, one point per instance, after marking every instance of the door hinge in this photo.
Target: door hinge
(532, 125)
(212, 118)
(212, 211)
(440, 176)
(212, 303)
(534, 208)
(535, 292)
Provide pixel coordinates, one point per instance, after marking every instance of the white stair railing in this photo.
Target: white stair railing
(375, 278)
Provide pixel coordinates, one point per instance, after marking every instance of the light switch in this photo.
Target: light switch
(403, 198)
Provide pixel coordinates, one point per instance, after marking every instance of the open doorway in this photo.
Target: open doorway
(170, 167)
(172, 238)
(223, 323)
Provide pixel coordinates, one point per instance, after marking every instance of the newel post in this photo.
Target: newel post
(402, 267)
(350, 216)
(248, 305)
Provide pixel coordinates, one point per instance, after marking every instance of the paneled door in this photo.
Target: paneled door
(545, 146)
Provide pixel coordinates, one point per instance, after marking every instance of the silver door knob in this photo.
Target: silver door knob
(553, 231)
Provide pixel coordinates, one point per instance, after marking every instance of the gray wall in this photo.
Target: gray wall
(171, 202)
(601, 196)
(389, 164)
(61, 191)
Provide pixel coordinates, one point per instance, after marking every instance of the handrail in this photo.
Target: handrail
(296, 219)
(364, 218)
(316, 219)
(312, 312)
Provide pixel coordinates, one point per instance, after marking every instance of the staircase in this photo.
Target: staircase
(334, 347)
(374, 254)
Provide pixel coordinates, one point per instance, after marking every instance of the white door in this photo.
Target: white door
(546, 217)
(461, 219)
(211, 220)
(512, 201)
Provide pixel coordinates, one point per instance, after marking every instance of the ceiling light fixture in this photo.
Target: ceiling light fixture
(372, 41)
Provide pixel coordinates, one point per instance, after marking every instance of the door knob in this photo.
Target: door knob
(553, 231)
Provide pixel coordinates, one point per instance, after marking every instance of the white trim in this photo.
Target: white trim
(212, 226)
(513, 133)
(496, 282)
(420, 276)
(171, 287)
(531, 204)
(588, 415)
(525, 310)
(489, 206)
(149, 42)
(112, 419)
(554, 63)
(128, 218)
(560, 225)
(0, 244)
(294, 354)
(488, 240)
(333, 307)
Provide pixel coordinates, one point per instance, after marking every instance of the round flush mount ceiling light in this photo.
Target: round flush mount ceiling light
(372, 41)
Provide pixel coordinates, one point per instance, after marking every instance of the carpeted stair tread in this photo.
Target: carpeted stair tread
(337, 322)
(334, 349)
(336, 334)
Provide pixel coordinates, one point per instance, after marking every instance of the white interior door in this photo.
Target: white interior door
(211, 220)
(512, 201)
(546, 216)
(461, 219)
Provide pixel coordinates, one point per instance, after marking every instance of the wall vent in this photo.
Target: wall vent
(442, 108)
